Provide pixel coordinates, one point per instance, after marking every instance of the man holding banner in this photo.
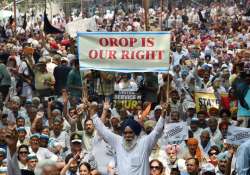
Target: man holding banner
(132, 151)
(206, 86)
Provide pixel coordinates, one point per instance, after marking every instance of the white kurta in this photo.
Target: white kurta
(243, 159)
(12, 162)
(136, 161)
(44, 153)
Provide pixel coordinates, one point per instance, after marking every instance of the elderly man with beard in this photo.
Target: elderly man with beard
(88, 134)
(205, 142)
(172, 159)
(132, 151)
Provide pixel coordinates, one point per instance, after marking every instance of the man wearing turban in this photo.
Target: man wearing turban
(132, 151)
(172, 160)
(194, 150)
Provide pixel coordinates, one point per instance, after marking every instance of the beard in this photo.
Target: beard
(204, 144)
(129, 145)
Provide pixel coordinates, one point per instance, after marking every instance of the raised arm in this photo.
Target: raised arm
(155, 134)
(108, 136)
(10, 137)
(67, 166)
(38, 117)
(231, 152)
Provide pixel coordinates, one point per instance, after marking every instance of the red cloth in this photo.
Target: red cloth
(53, 45)
(225, 102)
(65, 42)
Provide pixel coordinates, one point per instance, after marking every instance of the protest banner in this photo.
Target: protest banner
(127, 99)
(124, 51)
(175, 133)
(237, 135)
(80, 25)
(206, 98)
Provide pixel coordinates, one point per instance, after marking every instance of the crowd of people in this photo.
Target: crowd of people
(57, 119)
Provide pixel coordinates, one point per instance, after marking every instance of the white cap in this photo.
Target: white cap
(208, 167)
(157, 107)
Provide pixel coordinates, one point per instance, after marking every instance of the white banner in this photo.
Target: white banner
(124, 51)
(175, 133)
(80, 25)
(237, 135)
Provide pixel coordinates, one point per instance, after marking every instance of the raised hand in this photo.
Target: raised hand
(106, 104)
(93, 109)
(165, 109)
(39, 115)
(80, 109)
(10, 136)
(231, 150)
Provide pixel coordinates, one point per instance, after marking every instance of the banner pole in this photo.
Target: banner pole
(14, 3)
(161, 14)
(145, 3)
(167, 96)
(168, 72)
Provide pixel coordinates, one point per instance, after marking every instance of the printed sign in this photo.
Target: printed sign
(237, 135)
(127, 99)
(206, 98)
(124, 51)
(175, 133)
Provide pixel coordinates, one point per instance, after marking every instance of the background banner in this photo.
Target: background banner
(127, 99)
(175, 133)
(206, 98)
(237, 135)
(124, 52)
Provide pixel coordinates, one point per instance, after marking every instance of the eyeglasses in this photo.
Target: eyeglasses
(208, 173)
(23, 152)
(212, 153)
(155, 167)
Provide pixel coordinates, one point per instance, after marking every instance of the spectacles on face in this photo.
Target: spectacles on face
(155, 167)
(208, 173)
(23, 152)
(213, 153)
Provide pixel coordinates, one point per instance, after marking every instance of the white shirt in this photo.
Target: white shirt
(216, 137)
(50, 67)
(103, 154)
(12, 162)
(63, 139)
(177, 57)
(243, 159)
(135, 161)
(44, 153)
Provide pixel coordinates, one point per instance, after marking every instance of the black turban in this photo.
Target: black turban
(133, 124)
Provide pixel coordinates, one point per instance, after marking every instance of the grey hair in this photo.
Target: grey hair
(205, 131)
(42, 164)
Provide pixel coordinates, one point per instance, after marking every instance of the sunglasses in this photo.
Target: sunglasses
(213, 153)
(155, 167)
(23, 152)
(208, 173)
